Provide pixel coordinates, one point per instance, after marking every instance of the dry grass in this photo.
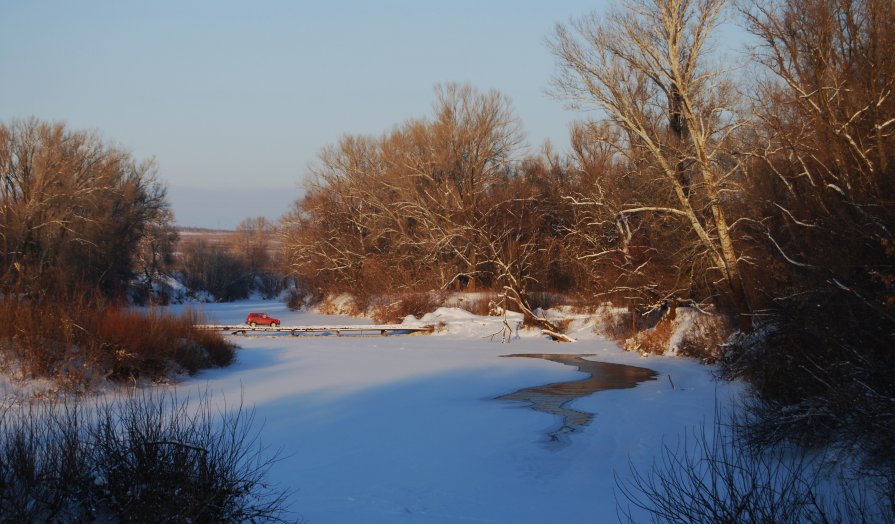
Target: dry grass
(79, 343)
(654, 340)
(563, 324)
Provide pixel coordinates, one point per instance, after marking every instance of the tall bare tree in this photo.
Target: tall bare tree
(72, 209)
(407, 208)
(647, 67)
(470, 144)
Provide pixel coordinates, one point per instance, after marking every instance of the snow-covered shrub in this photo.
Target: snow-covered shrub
(147, 457)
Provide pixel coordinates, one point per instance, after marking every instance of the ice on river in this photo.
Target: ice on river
(410, 428)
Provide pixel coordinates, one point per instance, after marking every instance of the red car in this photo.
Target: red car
(262, 319)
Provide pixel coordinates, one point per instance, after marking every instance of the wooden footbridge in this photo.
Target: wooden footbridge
(298, 331)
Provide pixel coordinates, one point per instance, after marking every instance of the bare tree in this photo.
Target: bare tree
(470, 143)
(405, 208)
(822, 181)
(253, 240)
(827, 134)
(351, 219)
(72, 210)
(646, 67)
(155, 255)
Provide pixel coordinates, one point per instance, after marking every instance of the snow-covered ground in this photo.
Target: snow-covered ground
(395, 429)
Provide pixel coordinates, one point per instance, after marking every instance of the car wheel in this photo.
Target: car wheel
(252, 324)
(274, 324)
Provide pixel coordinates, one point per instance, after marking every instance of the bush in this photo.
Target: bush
(621, 324)
(386, 309)
(481, 303)
(704, 337)
(80, 343)
(216, 269)
(716, 477)
(545, 300)
(340, 305)
(821, 368)
(301, 295)
(654, 340)
(147, 457)
(615, 323)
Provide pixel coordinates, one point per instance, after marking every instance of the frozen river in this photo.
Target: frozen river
(395, 429)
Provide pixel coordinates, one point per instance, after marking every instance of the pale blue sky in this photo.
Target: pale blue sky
(234, 99)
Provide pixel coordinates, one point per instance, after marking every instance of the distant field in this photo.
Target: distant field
(190, 236)
(212, 236)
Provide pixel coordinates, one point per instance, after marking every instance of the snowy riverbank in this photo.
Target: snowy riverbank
(387, 429)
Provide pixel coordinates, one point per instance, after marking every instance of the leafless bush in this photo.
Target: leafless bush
(161, 458)
(141, 458)
(615, 323)
(389, 308)
(300, 295)
(704, 337)
(544, 299)
(481, 303)
(712, 477)
(817, 388)
(43, 464)
(78, 343)
(654, 340)
(216, 269)
(343, 305)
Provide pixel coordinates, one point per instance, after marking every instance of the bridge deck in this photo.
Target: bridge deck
(363, 329)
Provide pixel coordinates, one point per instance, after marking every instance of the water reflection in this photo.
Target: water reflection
(553, 398)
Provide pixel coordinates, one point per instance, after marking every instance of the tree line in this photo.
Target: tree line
(763, 193)
(232, 265)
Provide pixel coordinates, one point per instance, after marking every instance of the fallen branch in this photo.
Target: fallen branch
(557, 337)
(548, 328)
